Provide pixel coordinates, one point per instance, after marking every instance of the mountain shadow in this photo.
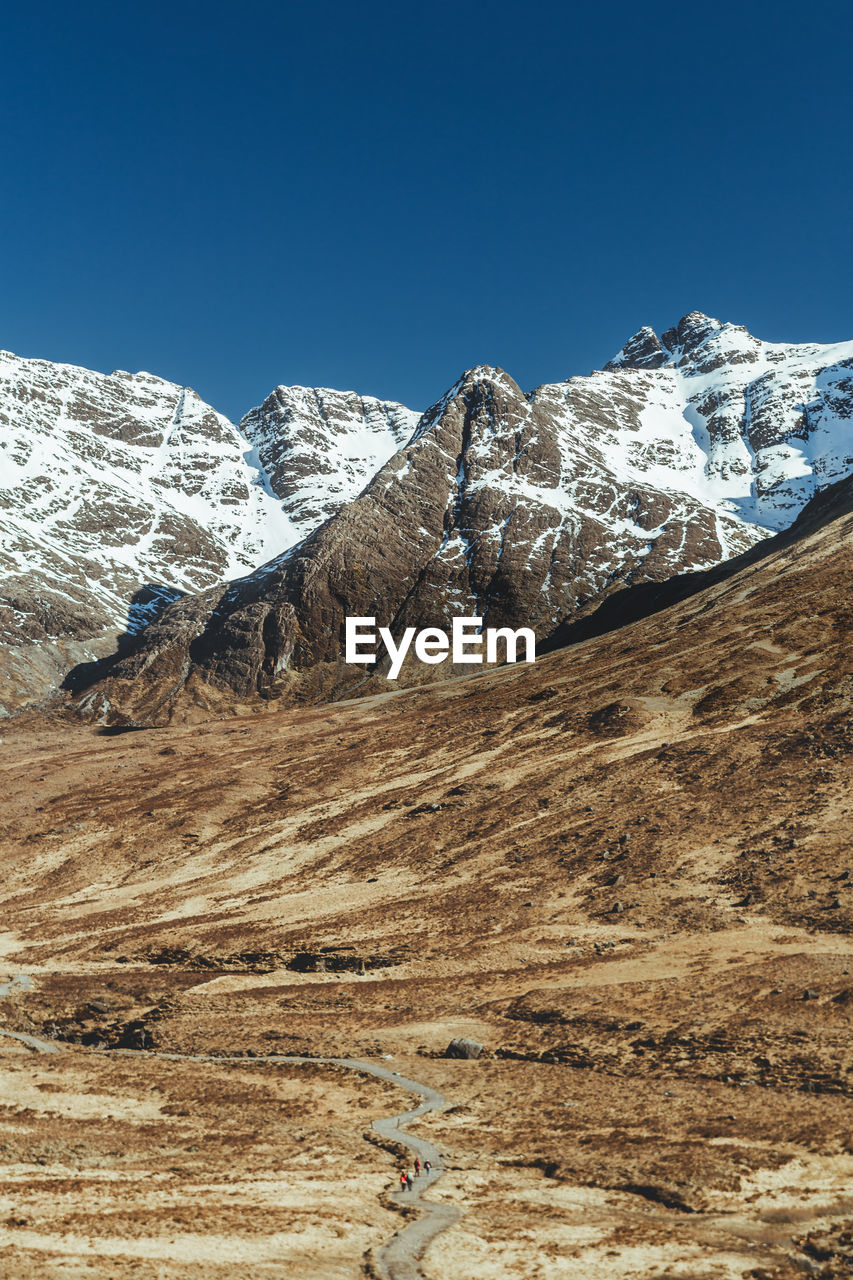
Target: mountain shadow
(146, 605)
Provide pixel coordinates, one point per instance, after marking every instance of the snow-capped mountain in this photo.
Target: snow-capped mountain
(319, 448)
(522, 509)
(120, 492)
(112, 482)
(752, 427)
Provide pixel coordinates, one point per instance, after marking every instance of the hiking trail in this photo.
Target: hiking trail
(398, 1257)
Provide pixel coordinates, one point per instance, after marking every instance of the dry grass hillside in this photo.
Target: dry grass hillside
(626, 870)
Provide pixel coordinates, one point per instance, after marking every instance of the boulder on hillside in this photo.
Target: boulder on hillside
(462, 1047)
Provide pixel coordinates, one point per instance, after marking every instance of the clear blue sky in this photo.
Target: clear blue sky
(379, 195)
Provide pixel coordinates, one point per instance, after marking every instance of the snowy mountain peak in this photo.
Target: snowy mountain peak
(643, 350)
(116, 481)
(320, 447)
(690, 332)
(755, 426)
(479, 381)
(484, 384)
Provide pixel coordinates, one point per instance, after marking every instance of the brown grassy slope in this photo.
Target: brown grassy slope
(622, 869)
(704, 749)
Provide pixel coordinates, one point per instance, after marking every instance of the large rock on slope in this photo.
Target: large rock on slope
(463, 1047)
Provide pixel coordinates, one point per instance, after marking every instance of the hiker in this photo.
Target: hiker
(427, 1167)
(410, 1182)
(403, 1182)
(417, 1167)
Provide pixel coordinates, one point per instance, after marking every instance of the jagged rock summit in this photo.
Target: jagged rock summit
(319, 448)
(525, 509)
(771, 420)
(645, 350)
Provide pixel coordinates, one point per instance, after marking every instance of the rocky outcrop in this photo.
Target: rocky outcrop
(642, 351)
(463, 1047)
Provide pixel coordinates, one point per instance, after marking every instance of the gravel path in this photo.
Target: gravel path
(40, 1046)
(398, 1259)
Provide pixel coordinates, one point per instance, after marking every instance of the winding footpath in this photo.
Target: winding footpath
(398, 1259)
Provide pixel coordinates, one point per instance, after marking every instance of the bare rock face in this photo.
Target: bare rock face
(642, 351)
(691, 332)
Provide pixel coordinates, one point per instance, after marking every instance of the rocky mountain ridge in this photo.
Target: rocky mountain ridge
(523, 509)
(120, 492)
